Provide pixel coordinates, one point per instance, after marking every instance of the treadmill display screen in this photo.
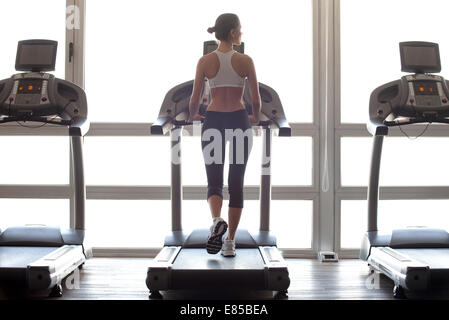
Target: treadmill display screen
(29, 86)
(420, 57)
(36, 55)
(425, 88)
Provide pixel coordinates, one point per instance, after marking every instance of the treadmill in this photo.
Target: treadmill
(183, 263)
(39, 257)
(414, 258)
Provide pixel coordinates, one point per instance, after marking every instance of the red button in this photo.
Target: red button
(204, 99)
(412, 100)
(11, 99)
(44, 99)
(444, 100)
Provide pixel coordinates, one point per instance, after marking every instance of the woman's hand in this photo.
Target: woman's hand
(197, 117)
(253, 120)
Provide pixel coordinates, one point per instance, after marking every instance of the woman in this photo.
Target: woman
(226, 120)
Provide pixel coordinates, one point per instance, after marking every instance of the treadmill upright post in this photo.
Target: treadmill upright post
(176, 185)
(76, 144)
(265, 180)
(373, 187)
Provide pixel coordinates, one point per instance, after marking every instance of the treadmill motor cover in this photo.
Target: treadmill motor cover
(419, 238)
(40, 236)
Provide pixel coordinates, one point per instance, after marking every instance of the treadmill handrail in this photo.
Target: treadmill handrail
(182, 92)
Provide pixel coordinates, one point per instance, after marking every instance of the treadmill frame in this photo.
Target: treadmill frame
(380, 250)
(159, 273)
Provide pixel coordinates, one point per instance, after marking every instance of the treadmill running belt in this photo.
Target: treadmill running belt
(199, 259)
(196, 269)
(21, 257)
(436, 258)
(15, 260)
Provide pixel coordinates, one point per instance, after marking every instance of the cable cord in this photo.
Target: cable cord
(414, 138)
(404, 133)
(44, 124)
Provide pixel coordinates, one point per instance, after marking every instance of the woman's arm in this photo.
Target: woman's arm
(254, 92)
(198, 84)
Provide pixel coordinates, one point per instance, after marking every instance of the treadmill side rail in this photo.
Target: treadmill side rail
(276, 272)
(159, 271)
(403, 270)
(54, 267)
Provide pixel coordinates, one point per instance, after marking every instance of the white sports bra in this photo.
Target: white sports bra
(226, 75)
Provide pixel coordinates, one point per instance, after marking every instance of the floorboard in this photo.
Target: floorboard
(124, 279)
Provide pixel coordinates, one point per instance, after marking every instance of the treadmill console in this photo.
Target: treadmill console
(419, 97)
(38, 96)
(28, 91)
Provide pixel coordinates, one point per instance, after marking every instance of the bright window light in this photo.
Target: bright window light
(127, 223)
(50, 212)
(148, 222)
(292, 223)
(149, 47)
(30, 19)
(370, 36)
(35, 160)
(127, 160)
(393, 214)
(193, 169)
(292, 161)
(297, 233)
(401, 158)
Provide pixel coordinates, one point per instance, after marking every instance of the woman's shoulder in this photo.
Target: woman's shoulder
(243, 57)
(208, 58)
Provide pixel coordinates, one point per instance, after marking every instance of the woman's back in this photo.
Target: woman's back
(226, 73)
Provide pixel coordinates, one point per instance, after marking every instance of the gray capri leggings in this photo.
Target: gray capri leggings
(219, 128)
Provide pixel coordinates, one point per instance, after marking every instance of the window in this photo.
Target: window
(297, 233)
(51, 212)
(370, 36)
(127, 223)
(393, 214)
(127, 46)
(35, 160)
(30, 19)
(291, 223)
(370, 32)
(403, 161)
(157, 46)
(292, 161)
(127, 160)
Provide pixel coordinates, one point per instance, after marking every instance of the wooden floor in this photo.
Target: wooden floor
(124, 279)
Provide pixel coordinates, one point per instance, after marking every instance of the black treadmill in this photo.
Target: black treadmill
(35, 256)
(414, 258)
(183, 263)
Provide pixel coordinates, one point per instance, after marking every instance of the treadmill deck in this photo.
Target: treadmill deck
(436, 258)
(196, 269)
(199, 259)
(14, 262)
(21, 257)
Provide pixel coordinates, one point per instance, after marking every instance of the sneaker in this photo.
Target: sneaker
(215, 239)
(228, 248)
